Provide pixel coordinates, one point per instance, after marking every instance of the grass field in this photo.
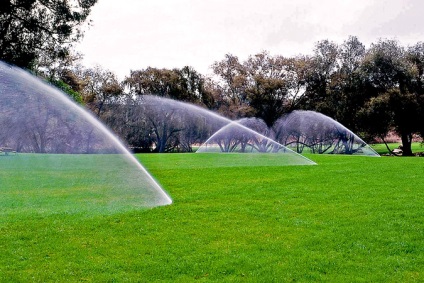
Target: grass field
(382, 149)
(347, 219)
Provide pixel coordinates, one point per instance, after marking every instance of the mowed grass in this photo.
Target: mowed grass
(347, 219)
(43, 184)
(381, 148)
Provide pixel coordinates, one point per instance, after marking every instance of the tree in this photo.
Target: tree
(322, 67)
(263, 86)
(191, 87)
(407, 112)
(101, 88)
(330, 80)
(153, 124)
(266, 86)
(391, 84)
(297, 71)
(415, 55)
(347, 96)
(66, 75)
(231, 86)
(30, 29)
(161, 82)
(384, 67)
(375, 117)
(181, 84)
(167, 126)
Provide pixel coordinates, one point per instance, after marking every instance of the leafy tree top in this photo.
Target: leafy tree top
(30, 29)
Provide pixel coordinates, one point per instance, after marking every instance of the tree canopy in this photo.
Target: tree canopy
(372, 91)
(31, 29)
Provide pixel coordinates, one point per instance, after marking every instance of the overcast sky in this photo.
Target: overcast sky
(134, 34)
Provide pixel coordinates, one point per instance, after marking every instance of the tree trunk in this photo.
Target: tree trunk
(406, 144)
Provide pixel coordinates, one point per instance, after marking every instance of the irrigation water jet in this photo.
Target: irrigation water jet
(313, 132)
(63, 154)
(181, 126)
(237, 138)
(175, 122)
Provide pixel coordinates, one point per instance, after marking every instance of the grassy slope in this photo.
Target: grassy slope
(347, 219)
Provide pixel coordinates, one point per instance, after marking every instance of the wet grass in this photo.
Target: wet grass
(348, 219)
(44, 184)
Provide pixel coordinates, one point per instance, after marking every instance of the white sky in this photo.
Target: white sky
(134, 34)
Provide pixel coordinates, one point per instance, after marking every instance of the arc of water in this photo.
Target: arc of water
(16, 84)
(237, 124)
(301, 121)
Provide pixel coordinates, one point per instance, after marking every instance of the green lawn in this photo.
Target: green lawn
(382, 149)
(347, 219)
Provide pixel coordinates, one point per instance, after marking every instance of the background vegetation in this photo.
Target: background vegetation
(373, 91)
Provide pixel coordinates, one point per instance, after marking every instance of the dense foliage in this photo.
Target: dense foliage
(372, 91)
(36, 30)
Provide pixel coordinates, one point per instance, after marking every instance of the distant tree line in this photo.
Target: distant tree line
(372, 91)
